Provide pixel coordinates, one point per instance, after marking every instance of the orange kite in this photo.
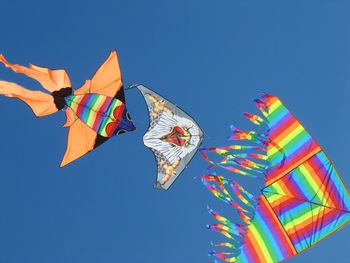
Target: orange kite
(95, 112)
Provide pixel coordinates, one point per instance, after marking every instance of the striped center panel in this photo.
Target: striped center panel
(99, 112)
(289, 143)
(311, 202)
(266, 241)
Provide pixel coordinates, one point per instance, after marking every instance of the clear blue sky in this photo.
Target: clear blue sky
(210, 57)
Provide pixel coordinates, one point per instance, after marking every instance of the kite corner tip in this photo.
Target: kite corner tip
(233, 127)
(265, 94)
(63, 164)
(133, 86)
(159, 186)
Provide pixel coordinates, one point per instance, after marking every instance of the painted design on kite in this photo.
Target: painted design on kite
(95, 112)
(303, 201)
(179, 136)
(173, 136)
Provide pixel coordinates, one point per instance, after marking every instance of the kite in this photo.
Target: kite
(173, 136)
(95, 112)
(303, 199)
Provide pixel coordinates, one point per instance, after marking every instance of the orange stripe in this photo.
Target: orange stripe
(255, 245)
(281, 202)
(250, 252)
(272, 101)
(307, 225)
(278, 131)
(273, 177)
(278, 223)
(321, 185)
(334, 195)
(308, 221)
(286, 131)
(284, 188)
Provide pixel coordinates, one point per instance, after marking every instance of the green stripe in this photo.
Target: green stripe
(287, 219)
(264, 236)
(303, 183)
(111, 108)
(91, 107)
(289, 145)
(277, 111)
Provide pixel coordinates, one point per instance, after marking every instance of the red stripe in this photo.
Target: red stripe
(325, 178)
(81, 105)
(281, 234)
(314, 224)
(283, 127)
(251, 249)
(100, 114)
(291, 163)
(105, 105)
(282, 205)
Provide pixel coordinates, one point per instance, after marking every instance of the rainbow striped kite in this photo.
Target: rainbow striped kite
(302, 202)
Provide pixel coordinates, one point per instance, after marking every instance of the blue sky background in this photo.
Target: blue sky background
(210, 57)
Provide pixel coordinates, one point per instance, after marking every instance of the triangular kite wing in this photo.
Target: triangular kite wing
(81, 140)
(106, 81)
(173, 136)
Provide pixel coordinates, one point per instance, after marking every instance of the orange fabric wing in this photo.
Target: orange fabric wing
(41, 103)
(81, 140)
(107, 80)
(83, 89)
(70, 117)
(51, 79)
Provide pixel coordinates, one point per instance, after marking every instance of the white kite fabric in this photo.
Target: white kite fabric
(173, 136)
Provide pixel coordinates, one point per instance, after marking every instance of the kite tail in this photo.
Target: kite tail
(245, 206)
(56, 81)
(51, 79)
(248, 156)
(41, 103)
(247, 160)
(224, 256)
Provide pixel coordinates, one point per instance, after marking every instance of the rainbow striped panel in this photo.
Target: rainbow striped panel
(311, 202)
(304, 199)
(99, 112)
(289, 143)
(265, 241)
